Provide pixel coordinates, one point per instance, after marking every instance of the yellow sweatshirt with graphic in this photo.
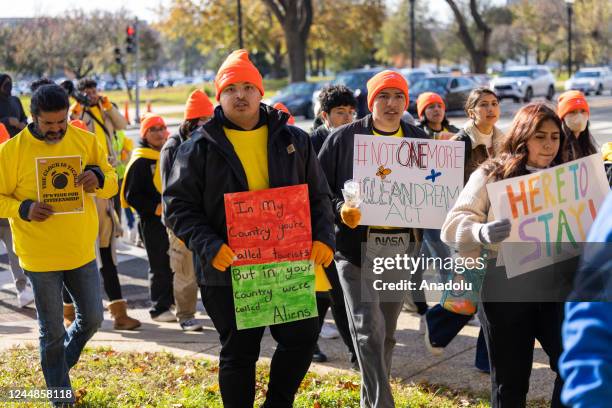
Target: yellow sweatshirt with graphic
(63, 241)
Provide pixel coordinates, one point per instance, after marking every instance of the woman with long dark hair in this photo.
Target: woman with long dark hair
(511, 328)
(482, 140)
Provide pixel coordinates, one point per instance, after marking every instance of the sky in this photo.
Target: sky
(145, 9)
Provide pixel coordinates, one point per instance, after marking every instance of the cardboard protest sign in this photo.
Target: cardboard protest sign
(407, 182)
(56, 179)
(280, 292)
(551, 212)
(269, 230)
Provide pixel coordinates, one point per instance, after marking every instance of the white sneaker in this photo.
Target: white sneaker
(192, 325)
(165, 317)
(435, 351)
(25, 297)
(474, 321)
(329, 331)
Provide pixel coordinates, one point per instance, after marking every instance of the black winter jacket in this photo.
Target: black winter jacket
(207, 166)
(318, 137)
(336, 157)
(140, 192)
(168, 154)
(11, 107)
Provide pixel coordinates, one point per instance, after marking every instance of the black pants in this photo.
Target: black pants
(155, 239)
(110, 277)
(240, 351)
(338, 308)
(510, 332)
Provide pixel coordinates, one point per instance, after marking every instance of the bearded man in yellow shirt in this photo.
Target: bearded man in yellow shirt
(55, 245)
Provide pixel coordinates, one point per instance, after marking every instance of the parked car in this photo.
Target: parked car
(297, 97)
(110, 85)
(483, 80)
(414, 75)
(525, 82)
(356, 80)
(589, 80)
(453, 89)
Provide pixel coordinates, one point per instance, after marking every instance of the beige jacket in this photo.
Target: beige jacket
(479, 153)
(112, 119)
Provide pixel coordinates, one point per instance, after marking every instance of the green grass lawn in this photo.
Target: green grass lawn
(106, 378)
(176, 95)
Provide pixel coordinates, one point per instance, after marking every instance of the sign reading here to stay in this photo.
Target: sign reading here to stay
(272, 278)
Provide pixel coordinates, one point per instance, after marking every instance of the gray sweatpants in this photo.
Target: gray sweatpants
(372, 324)
(18, 276)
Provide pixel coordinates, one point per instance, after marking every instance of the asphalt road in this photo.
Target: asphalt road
(601, 118)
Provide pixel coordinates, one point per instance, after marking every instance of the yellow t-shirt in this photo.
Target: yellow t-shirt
(251, 146)
(399, 133)
(64, 241)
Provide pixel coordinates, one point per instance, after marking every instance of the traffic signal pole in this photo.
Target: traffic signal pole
(131, 47)
(136, 70)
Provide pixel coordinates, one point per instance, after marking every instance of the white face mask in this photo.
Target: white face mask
(576, 121)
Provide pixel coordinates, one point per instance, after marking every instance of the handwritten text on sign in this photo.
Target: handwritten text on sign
(407, 182)
(57, 183)
(551, 212)
(280, 292)
(270, 232)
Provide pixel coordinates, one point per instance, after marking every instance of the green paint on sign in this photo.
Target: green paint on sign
(273, 293)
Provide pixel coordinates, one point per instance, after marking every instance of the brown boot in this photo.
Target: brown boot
(69, 315)
(122, 321)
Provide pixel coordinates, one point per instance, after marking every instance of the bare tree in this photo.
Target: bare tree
(478, 50)
(295, 16)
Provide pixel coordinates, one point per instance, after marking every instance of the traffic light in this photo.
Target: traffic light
(118, 59)
(130, 40)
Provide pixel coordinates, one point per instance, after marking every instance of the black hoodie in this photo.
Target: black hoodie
(336, 157)
(10, 107)
(206, 167)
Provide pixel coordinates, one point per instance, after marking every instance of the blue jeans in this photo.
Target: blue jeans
(60, 349)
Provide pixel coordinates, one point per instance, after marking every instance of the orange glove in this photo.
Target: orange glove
(321, 254)
(224, 258)
(106, 103)
(350, 216)
(158, 210)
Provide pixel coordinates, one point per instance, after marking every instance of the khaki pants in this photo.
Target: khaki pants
(185, 285)
(105, 221)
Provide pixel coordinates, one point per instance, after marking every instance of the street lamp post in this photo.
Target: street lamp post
(240, 43)
(412, 39)
(570, 4)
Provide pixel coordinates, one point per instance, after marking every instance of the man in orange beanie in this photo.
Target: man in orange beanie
(372, 313)
(198, 110)
(246, 146)
(281, 107)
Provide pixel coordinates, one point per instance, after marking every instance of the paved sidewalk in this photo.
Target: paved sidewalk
(412, 362)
